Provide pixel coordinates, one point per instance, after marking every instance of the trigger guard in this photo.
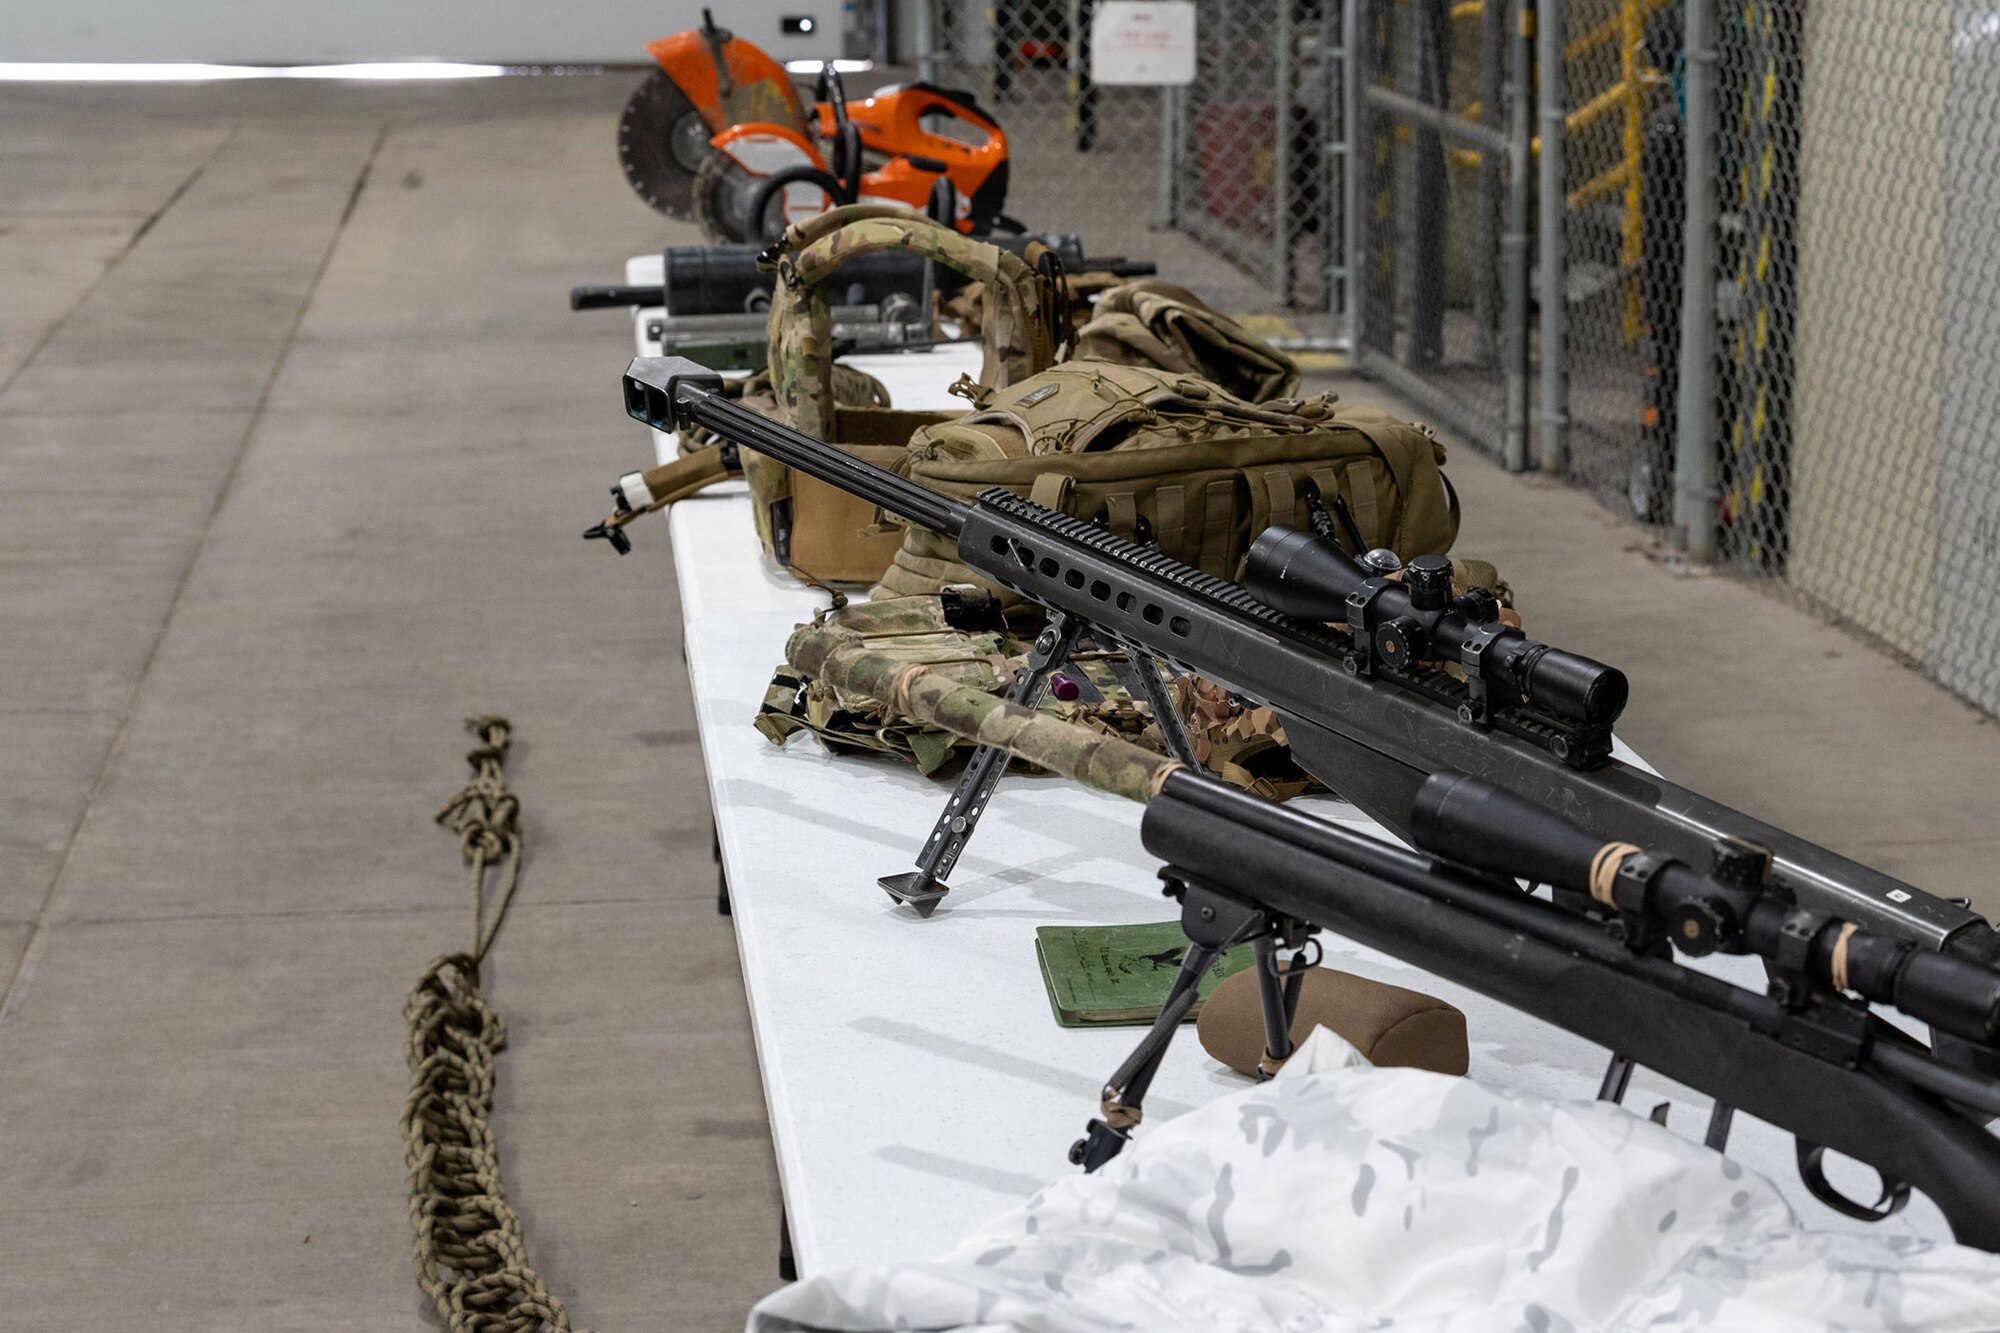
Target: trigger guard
(1895, 1193)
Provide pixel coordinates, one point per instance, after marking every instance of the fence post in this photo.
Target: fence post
(1352, 261)
(1550, 26)
(1281, 162)
(1694, 409)
(1514, 238)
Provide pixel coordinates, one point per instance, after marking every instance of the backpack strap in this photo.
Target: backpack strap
(1359, 474)
(1051, 491)
(1273, 498)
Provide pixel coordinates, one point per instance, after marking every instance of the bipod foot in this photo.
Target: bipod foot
(1099, 1144)
(915, 890)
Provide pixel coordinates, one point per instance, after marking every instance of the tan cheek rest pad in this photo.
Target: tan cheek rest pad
(1388, 1024)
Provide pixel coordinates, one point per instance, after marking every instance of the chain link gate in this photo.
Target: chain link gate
(1441, 197)
(1226, 183)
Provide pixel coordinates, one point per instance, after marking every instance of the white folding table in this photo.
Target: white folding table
(916, 1080)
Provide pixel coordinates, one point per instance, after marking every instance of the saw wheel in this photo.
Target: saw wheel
(719, 203)
(662, 143)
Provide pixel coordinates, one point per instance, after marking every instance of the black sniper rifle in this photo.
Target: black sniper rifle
(1804, 1057)
(1351, 662)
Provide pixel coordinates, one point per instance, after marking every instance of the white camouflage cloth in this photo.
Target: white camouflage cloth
(1339, 1196)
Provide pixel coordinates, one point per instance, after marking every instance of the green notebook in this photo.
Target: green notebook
(1105, 976)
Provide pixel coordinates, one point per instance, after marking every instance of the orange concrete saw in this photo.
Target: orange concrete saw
(718, 135)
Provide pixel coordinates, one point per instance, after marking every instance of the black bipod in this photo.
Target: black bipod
(1214, 923)
(923, 887)
(1618, 1076)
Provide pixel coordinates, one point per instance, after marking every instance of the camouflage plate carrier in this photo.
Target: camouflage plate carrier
(818, 530)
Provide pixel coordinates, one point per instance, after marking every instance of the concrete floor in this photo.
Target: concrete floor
(296, 437)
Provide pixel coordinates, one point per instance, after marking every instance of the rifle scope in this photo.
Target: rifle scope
(1728, 908)
(1419, 619)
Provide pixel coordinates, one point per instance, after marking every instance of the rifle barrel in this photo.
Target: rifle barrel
(667, 392)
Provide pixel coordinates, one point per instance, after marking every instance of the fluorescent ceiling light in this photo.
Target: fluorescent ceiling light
(840, 66)
(57, 72)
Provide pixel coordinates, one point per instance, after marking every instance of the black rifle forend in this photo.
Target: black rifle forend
(1373, 729)
(1820, 1067)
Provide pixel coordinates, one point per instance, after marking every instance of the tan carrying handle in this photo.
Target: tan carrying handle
(801, 329)
(656, 488)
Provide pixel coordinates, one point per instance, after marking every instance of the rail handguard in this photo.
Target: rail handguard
(1366, 700)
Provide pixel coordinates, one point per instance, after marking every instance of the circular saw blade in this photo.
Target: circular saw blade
(658, 131)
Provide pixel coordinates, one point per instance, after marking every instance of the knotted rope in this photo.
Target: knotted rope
(470, 1257)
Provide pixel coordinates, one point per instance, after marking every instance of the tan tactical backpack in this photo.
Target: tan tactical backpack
(1174, 460)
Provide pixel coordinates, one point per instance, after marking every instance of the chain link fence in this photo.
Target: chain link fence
(1222, 183)
(1621, 222)
(1840, 441)
(1833, 434)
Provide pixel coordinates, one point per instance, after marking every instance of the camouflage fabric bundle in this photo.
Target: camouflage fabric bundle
(967, 309)
(914, 631)
(1152, 323)
(1245, 747)
(1158, 324)
(915, 637)
(1177, 461)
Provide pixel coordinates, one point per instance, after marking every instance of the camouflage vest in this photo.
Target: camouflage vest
(1173, 459)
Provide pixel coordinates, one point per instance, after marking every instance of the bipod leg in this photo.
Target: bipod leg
(1214, 923)
(923, 887)
(1617, 1076)
(1278, 993)
(1125, 1093)
(1166, 716)
(1720, 1118)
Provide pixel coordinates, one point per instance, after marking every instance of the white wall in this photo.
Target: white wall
(341, 31)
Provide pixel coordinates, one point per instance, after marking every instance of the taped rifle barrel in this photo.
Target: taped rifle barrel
(1477, 824)
(669, 391)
